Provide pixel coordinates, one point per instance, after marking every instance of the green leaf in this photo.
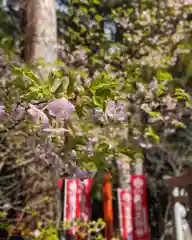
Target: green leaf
(71, 84)
(2, 214)
(31, 76)
(96, 2)
(51, 78)
(59, 90)
(83, 28)
(101, 95)
(83, 9)
(164, 76)
(154, 114)
(149, 132)
(102, 81)
(80, 111)
(181, 94)
(92, 10)
(98, 17)
(99, 101)
(20, 83)
(179, 125)
(83, 74)
(102, 89)
(161, 89)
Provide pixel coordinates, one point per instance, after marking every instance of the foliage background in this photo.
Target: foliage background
(129, 86)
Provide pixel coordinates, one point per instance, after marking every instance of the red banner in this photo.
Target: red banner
(125, 213)
(140, 214)
(86, 200)
(77, 203)
(71, 202)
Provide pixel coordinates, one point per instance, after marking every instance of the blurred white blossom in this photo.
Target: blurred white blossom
(2, 112)
(116, 110)
(36, 233)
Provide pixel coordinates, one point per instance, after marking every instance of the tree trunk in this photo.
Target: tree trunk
(41, 44)
(40, 31)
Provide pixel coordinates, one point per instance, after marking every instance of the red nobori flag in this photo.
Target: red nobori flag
(140, 214)
(86, 200)
(77, 202)
(125, 213)
(72, 202)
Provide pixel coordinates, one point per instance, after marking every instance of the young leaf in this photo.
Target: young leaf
(179, 125)
(151, 133)
(31, 76)
(164, 76)
(51, 78)
(181, 94)
(71, 84)
(59, 90)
